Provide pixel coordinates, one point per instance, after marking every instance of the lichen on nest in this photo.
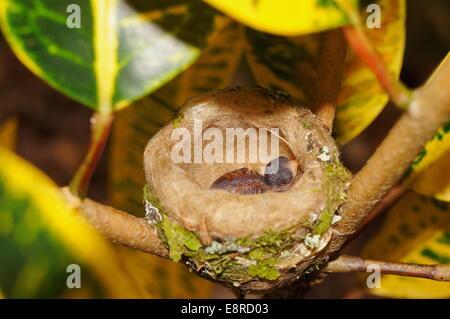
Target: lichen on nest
(231, 260)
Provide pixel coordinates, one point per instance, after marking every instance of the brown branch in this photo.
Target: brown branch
(333, 49)
(346, 264)
(385, 204)
(118, 226)
(429, 110)
(382, 207)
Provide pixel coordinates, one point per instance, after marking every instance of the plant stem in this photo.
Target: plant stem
(333, 49)
(360, 43)
(382, 207)
(345, 264)
(118, 226)
(358, 40)
(101, 127)
(385, 204)
(429, 110)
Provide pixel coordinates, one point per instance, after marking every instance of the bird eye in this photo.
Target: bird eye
(276, 165)
(282, 177)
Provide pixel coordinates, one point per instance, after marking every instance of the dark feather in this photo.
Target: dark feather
(278, 176)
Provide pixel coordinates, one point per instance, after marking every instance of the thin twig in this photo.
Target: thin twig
(333, 49)
(385, 204)
(346, 264)
(382, 207)
(101, 127)
(429, 110)
(118, 226)
(360, 43)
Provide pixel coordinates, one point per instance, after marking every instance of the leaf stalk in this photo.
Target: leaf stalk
(101, 127)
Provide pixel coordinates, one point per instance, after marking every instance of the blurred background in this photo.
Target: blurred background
(54, 130)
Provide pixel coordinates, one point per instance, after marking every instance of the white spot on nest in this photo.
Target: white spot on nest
(219, 248)
(152, 214)
(215, 247)
(308, 136)
(324, 154)
(285, 254)
(245, 262)
(312, 217)
(335, 219)
(309, 142)
(312, 241)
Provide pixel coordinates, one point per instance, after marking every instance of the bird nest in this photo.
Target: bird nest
(223, 218)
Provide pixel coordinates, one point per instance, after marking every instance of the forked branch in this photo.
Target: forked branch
(428, 111)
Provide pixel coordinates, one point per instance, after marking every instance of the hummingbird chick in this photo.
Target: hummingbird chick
(279, 175)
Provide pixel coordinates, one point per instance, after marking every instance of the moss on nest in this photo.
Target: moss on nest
(336, 177)
(236, 260)
(231, 260)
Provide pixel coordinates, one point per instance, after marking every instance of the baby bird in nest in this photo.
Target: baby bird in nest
(247, 182)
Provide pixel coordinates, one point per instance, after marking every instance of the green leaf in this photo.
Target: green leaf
(429, 174)
(135, 125)
(40, 236)
(417, 230)
(291, 63)
(284, 17)
(123, 50)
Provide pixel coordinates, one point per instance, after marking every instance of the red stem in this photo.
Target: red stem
(358, 40)
(101, 127)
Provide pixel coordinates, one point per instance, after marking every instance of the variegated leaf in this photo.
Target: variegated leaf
(122, 50)
(284, 17)
(135, 126)
(417, 230)
(291, 63)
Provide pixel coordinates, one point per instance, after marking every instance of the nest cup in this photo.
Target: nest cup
(254, 242)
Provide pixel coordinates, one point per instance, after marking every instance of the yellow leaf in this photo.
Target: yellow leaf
(291, 63)
(362, 98)
(287, 64)
(8, 132)
(217, 64)
(284, 17)
(135, 126)
(430, 172)
(40, 236)
(106, 54)
(417, 230)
